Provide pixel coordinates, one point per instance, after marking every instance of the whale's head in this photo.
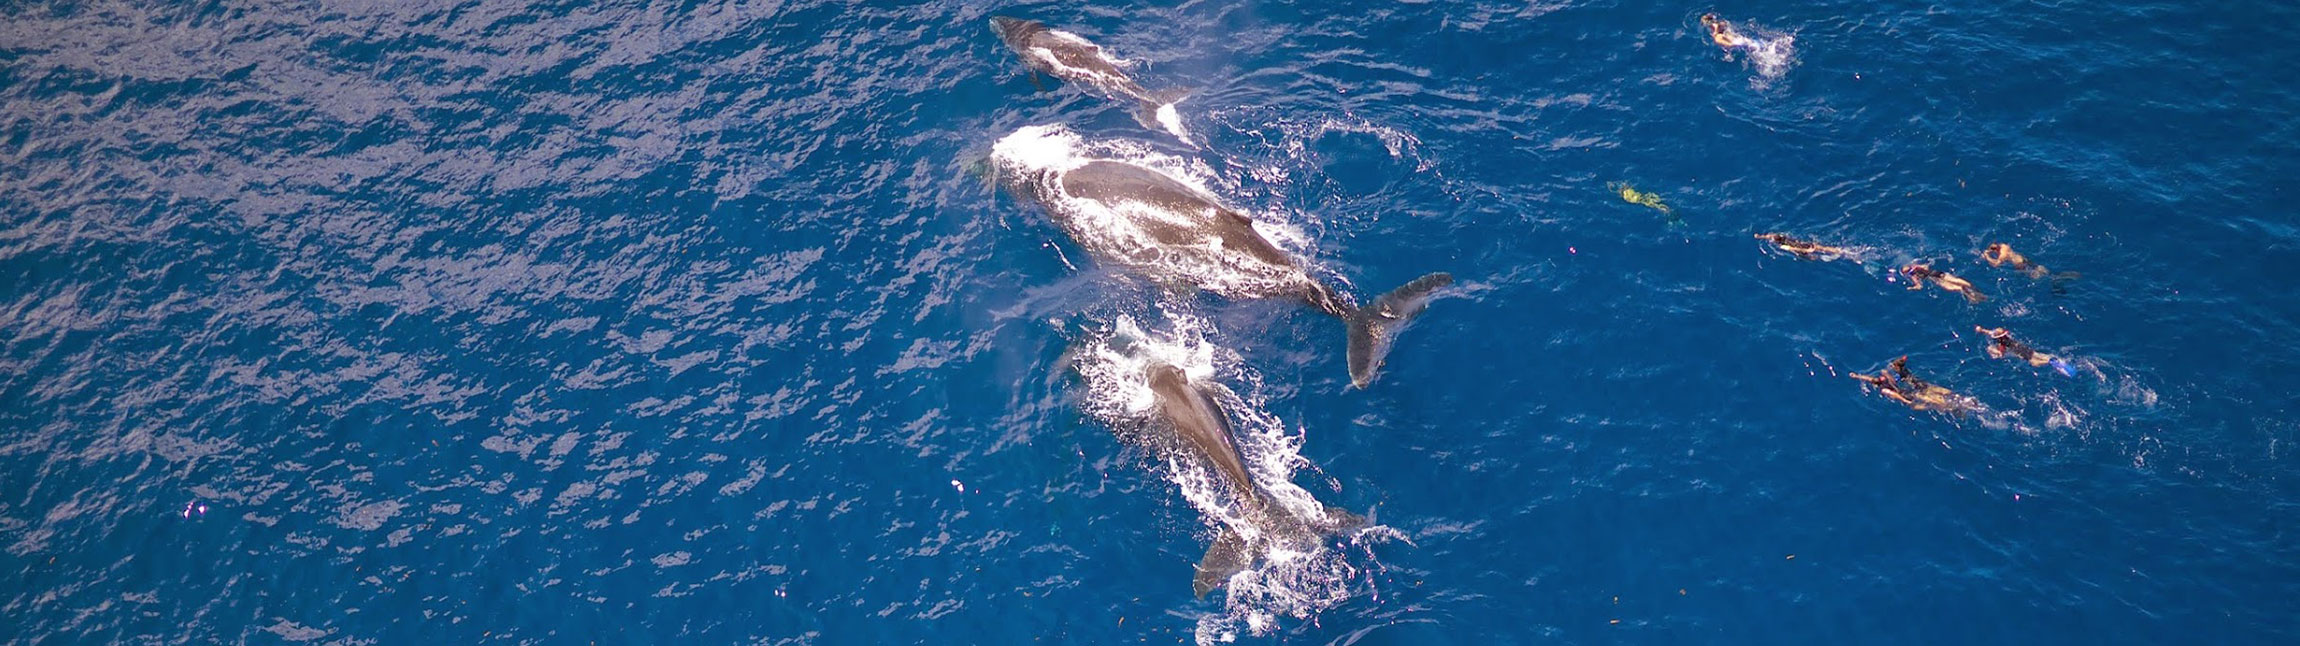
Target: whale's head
(1030, 160)
(1165, 377)
(1015, 31)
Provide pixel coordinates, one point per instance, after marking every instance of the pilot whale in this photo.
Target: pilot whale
(1071, 57)
(1154, 225)
(1194, 428)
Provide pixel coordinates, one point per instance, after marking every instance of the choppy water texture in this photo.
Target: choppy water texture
(479, 322)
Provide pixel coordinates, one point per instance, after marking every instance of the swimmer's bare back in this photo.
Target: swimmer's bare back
(1723, 34)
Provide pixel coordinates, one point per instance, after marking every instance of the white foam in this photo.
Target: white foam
(1172, 120)
(1038, 149)
(1773, 56)
(1771, 52)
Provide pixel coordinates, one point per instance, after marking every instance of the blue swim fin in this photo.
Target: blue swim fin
(2062, 366)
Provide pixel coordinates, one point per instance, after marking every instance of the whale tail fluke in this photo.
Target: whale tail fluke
(1232, 553)
(1372, 327)
(1225, 558)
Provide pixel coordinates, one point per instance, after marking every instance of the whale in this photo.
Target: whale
(1154, 225)
(1073, 58)
(1195, 429)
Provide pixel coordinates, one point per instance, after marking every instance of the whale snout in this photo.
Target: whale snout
(1010, 29)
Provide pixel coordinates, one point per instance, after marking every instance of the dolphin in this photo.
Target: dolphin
(1175, 233)
(1201, 434)
(1070, 57)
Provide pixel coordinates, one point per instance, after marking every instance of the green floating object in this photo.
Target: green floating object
(1653, 201)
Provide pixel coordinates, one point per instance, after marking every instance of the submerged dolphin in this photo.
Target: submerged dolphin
(1201, 434)
(1070, 57)
(1178, 234)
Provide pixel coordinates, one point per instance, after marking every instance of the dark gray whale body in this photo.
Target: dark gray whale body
(1200, 433)
(1069, 57)
(1191, 227)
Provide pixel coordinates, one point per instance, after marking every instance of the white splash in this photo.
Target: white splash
(1773, 56)
(1291, 579)
(1771, 52)
(1038, 149)
(1172, 120)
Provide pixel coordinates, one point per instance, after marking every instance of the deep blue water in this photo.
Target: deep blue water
(488, 322)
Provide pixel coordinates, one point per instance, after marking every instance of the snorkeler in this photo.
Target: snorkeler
(1723, 33)
(1923, 395)
(2001, 254)
(1653, 201)
(1885, 385)
(1807, 249)
(1919, 272)
(1902, 386)
(2004, 344)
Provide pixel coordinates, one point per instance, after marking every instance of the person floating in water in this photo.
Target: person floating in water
(1919, 272)
(1724, 35)
(2003, 345)
(1885, 385)
(2001, 254)
(1807, 249)
(1653, 201)
(1771, 53)
(1898, 384)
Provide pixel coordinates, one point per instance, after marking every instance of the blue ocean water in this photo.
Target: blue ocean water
(561, 323)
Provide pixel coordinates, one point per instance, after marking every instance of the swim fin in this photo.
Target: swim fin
(1372, 327)
(2061, 280)
(1225, 558)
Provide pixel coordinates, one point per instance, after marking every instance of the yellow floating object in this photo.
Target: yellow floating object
(1633, 196)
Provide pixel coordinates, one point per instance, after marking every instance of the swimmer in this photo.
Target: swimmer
(1807, 249)
(1723, 34)
(2004, 344)
(1919, 272)
(1902, 386)
(1885, 385)
(2001, 254)
(1653, 201)
(1923, 395)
